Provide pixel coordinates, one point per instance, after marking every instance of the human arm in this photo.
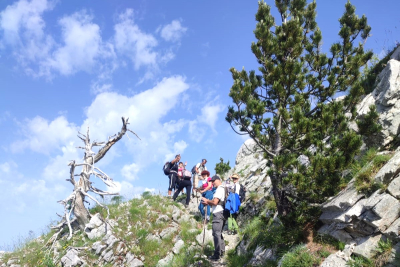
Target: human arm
(209, 186)
(212, 202)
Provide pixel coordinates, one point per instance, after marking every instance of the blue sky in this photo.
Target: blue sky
(67, 65)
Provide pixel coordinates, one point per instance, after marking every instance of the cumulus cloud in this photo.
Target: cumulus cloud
(209, 115)
(128, 190)
(145, 111)
(134, 43)
(173, 32)
(43, 136)
(23, 29)
(82, 45)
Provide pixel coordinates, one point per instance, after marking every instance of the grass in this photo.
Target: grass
(358, 261)
(136, 218)
(299, 256)
(365, 170)
(383, 253)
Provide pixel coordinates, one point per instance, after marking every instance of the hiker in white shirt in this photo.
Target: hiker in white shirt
(219, 217)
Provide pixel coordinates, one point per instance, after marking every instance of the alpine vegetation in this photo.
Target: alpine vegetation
(289, 108)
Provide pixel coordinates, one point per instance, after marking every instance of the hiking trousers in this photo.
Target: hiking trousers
(172, 180)
(232, 224)
(218, 223)
(184, 183)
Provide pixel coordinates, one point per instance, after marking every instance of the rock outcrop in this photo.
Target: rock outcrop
(385, 97)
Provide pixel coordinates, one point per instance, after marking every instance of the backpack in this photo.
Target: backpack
(242, 193)
(167, 168)
(186, 174)
(194, 169)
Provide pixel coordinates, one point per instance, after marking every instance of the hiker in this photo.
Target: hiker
(206, 190)
(173, 173)
(219, 217)
(197, 169)
(184, 182)
(233, 203)
(181, 169)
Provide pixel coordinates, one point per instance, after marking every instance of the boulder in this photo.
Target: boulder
(394, 187)
(389, 170)
(366, 246)
(344, 200)
(396, 54)
(165, 261)
(94, 222)
(178, 246)
(386, 97)
(393, 231)
(167, 232)
(334, 260)
(207, 238)
(162, 218)
(261, 255)
(135, 263)
(71, 259)
(384, 213)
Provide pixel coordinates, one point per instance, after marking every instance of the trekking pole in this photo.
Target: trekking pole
(204, 228)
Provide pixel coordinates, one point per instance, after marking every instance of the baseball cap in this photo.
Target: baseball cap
(215, 177)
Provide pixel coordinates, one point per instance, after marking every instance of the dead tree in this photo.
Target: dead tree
(74, 208)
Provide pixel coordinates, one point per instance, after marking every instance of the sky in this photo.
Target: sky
(69, 65)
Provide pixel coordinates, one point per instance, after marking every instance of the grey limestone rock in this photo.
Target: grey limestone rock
(178, 246)
(394, 187)
(168, 232)
(135, 263)
(71, 259)
(334, 260)
(366, 246)
(207, 237)
(165, 261)
(344, 200)
(261, 255)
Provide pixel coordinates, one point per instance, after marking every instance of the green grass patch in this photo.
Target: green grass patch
(299, 256)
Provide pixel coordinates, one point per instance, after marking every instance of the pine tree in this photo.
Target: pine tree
(289, 108)
(222, 167)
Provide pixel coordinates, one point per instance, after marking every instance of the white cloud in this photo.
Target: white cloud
(43, 136)
(209, 115)
(23, 29)
(173, 32)
(128, 190)
(129, 172)
(82, 45)
(196, 131)
(23, 19)
(132, 42)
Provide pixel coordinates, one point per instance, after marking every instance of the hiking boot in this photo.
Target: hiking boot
(222, 253)
(213, 258)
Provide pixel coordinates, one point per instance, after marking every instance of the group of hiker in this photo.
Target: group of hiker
(222, 199)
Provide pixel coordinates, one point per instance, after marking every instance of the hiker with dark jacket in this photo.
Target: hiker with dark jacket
(219, 217)
(184, 182)
(173, 175)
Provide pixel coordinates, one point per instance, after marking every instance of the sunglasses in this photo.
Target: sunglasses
(235, 178)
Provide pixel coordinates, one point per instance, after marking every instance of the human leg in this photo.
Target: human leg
(217, 225)
(188, 186)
